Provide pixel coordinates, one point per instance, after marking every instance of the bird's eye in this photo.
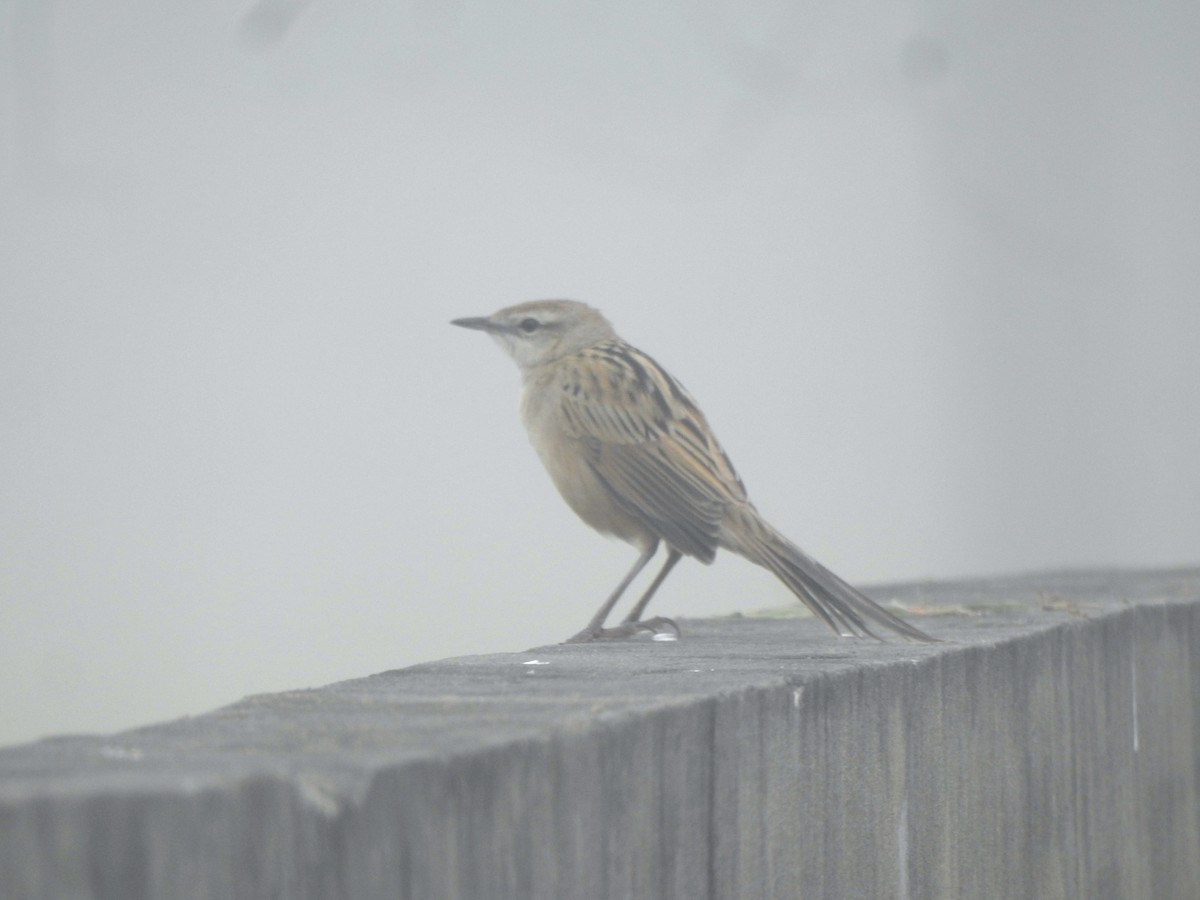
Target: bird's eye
(529, 326)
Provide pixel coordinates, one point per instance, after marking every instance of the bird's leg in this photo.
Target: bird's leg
(595, 628)
(635, 614)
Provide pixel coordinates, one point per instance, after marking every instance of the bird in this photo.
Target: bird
(632, 454)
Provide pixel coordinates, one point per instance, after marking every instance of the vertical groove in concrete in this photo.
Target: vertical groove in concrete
(1049, 749)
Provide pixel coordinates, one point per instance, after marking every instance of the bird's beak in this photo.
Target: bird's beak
(479, 323)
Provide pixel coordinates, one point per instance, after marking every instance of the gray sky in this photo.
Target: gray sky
(932, 274)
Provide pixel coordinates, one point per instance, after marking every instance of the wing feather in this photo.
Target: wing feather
(650, 446)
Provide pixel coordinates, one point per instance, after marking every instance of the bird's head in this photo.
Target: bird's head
(541, 331)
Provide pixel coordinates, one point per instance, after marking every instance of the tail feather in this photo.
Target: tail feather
(841, 607)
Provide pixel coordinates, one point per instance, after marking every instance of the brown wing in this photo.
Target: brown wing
(650, 446)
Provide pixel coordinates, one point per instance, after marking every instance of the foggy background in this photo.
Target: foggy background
(931, 270)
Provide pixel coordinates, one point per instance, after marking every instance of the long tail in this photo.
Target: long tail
(842, 608)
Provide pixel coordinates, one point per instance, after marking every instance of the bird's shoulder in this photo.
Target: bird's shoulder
(615, 389)
(612, 394)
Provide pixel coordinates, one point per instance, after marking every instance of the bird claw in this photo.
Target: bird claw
(660, 629)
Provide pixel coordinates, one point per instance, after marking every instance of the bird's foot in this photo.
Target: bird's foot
(659, 629)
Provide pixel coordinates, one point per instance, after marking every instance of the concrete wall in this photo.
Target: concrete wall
(1048, 748)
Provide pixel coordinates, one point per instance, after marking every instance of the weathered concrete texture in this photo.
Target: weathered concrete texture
(1048, 749)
